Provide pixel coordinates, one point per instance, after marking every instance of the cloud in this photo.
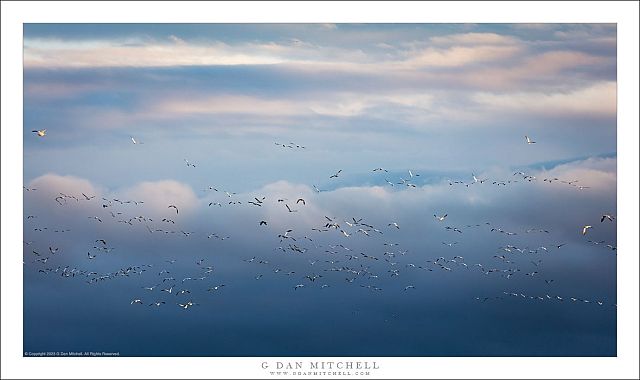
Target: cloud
(51, 185)
(546, 67)
(596, 100)
(339, 105)
(158, 195)
(559, 207)
(461, 55)
(42, 53)
(474, 39)
(155, 195)
(599, 175)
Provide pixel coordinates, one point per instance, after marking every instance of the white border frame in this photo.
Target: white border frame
(625, 14)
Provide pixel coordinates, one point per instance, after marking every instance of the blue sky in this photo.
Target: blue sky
(445, 101)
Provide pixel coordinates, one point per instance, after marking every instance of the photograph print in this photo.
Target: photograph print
(316, 190)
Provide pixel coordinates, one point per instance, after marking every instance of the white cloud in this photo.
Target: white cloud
(159, 195)
(113, 54)
(597, 99)
(461, 55)
(51, 185)
(474, 39)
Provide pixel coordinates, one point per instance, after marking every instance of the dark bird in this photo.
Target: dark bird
(336, 175)
(88, 197)
(289, 208)
(607, 216)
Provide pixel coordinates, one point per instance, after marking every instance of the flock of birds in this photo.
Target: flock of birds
(331, 248)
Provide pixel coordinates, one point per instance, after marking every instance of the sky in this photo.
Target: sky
(227, 114)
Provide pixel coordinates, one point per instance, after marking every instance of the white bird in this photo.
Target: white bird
(529, 141)
(394, 224)
(186, 305)
(135, 142)
(298, 286)
(584, 229)
(440, 218)
(40, 133)
(136, 301)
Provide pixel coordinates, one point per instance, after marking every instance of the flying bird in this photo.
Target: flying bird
(40, 133)
(217, 287)
(529, 141)
(263, 223)
(301, 200)
(186, 305)
(170, 206)
(584, 229)
(336, 175)
(289, 208)
(135, 142)
(607, 216)
(440, 218)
